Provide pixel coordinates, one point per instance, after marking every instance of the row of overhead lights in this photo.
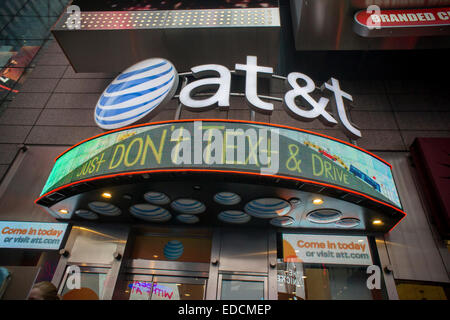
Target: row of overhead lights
(106, 195)
(316, 201)
(230, 17)
(319, 201)
(189, 18)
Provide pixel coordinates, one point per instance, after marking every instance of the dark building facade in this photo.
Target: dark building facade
(399, 95)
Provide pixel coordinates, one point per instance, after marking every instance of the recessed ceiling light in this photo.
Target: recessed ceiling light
(317, 201)
(188, 218)
(234, 216)
(86, 214)
(157, 198)
(106, 195)
(227, 198)
(377, 222)
(282, 221)
(104, 208)
(324, 215)
(348, 223)
(188, 206)
(63, 211)
(267, 208)
(150, 212)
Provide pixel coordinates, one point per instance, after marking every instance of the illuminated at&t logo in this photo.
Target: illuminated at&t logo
(173, 250)
(136, 93)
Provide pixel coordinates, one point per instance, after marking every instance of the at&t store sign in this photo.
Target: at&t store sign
(136, 94)
(221, 171)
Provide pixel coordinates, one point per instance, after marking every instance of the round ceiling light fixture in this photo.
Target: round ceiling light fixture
(227, 198)
(324, 216)
(295, 201)
(188, 206)
(149, 212)
(282, 221)
(188, 218)
(104, 208)
(234, 216)
(157, 198)
(86, 214)
(348, 222)
(267, 208)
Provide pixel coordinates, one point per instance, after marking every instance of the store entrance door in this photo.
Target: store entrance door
(165, 264)
(242, 287)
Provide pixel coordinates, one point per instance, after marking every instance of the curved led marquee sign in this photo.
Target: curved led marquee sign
(210, 145)
(136, 94)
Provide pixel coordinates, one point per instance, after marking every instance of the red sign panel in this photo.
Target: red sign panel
(429, 21)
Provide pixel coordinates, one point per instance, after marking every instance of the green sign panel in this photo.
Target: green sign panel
(227, 145)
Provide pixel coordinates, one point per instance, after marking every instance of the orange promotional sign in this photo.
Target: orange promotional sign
(304, 248)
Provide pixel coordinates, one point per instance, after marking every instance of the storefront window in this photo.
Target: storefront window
(297, 281)
(190, 248)
(314, 267)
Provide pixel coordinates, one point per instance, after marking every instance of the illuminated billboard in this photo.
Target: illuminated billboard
(210, 144)
(32, 235)
(307, 248)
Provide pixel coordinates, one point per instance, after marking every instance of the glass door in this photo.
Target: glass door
(178, 288)
(242, 287)
(89, 284)
(135, 287)
(157, 287)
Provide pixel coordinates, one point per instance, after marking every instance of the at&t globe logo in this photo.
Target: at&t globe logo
(173, 250)
(136, 93)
